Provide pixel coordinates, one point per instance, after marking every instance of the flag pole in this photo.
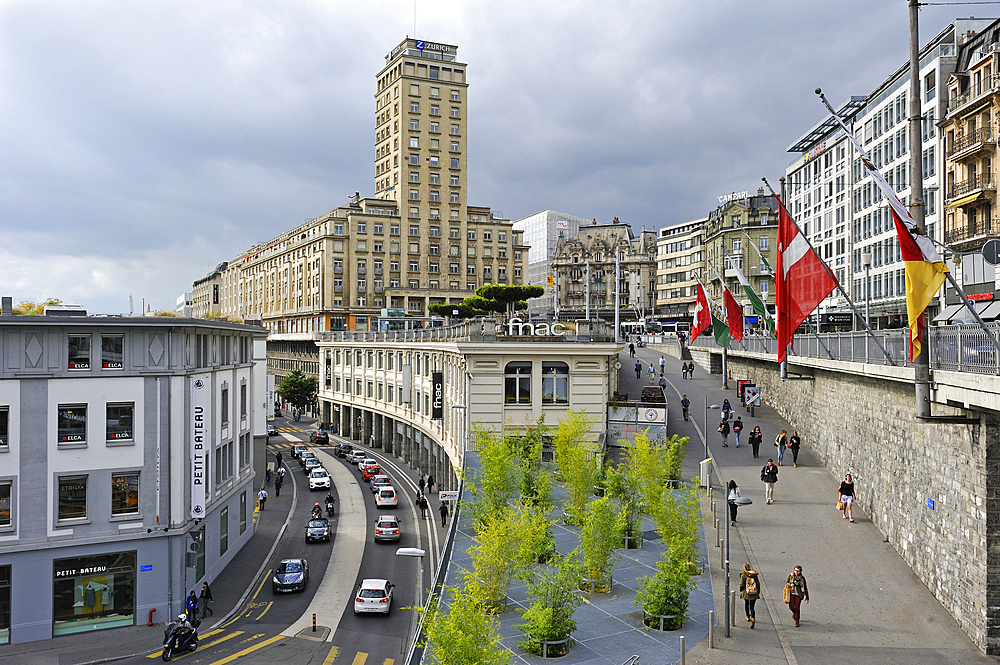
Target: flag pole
(966, 300)
(725, 349)
(752, 244)
(783, 366)
(850, 302)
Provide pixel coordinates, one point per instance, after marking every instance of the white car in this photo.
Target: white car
(319, 479)
(357, 456)
(379, 481)
(373, 596)
(385, 497)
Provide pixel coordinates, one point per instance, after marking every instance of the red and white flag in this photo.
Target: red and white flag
(734, 314)
(801, 283)
(702, 313)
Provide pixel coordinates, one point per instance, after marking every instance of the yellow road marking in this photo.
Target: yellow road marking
(261, 585)
(265, 611)
(388, 661)
(200, 637)
(360, 658)
(330, 657)
(249, 650)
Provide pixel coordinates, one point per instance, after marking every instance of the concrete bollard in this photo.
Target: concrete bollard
(718, 538)
(314, 622)
(711, 629)
(732, 606)
(683, 654)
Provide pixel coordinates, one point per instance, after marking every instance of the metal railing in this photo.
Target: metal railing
(975, 91)
(961, 348)
(475, 330)
(981, 181)
(982, 135)
(972, 229)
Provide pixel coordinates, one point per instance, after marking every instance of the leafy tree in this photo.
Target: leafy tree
(218, 316)
(166, 313)
(299, 389)
(554, 600)
(675, 456)
(578, 459)
(600, 536)
(497, 480)
(506, 546)
(677, 518)
(28, 308)
(668, 591)
(461, 633)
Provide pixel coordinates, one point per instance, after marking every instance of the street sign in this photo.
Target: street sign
(751, 396)
(991, 251)
(451, 495)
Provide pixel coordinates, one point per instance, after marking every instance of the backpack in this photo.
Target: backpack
(751, 586)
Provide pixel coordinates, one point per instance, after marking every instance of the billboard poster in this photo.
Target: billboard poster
(199, 445)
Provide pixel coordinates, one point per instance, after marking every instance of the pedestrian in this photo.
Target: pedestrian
(206, 599)
(798, 592)
(750, 591)
(731, 496)
(191, 606)
(724, 431)
(277, 485)
(430, 483)
(769, 476)
(420, 485)
(754, 440)
(684, 370)
(638, 369)
(663, 382)
(685, 405)
(737, 428)
(847, 496)
(663, 364)
(727, 409)
(782, 442)
(422, 504)
(261, 499)
(444, 514)
(281, 474)
(691, 370)
(793, 444)
(277, 459)
(652, 372)
(631, 350)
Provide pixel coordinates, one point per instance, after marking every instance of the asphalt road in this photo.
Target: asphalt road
(254, 634)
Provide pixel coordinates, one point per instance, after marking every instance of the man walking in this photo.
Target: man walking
(191, 606)
(685, 404)
(652, 372)
(261, 500)
(769, 475)
(422, 503)
(206, 598)
(430, 483)
(444, 514)
(737, 428)
(663, 364)
(638, 369)
(663, 382)
(724, 431)
(631, 349)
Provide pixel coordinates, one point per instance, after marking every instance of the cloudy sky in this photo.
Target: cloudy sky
(146, 142)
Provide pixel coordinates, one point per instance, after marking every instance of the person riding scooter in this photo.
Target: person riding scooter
(317, 512)
(180, 635)
(329, 504)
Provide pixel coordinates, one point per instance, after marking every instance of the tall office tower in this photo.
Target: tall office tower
(420, 130)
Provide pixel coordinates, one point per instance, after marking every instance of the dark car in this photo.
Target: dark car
(298, 449)
(320, 437)
(290, 575)
(317, 530)
(304, 455)
(343, 450)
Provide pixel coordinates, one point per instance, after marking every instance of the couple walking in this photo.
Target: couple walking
(795, 593)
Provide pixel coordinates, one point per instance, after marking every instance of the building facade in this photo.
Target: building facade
(207, 293)
(731, 232)
(418, 395)
(541, 232)
(680, 263)
(128, 454)
(589, 258)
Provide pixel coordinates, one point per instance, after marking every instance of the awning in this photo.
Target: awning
(947, 313)
(966, 200)
(963, 315)
(992, 312)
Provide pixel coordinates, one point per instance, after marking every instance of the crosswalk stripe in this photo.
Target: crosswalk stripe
(201, 637)
(388, 661)
(330, 657)
(248, 650)
(360, 658)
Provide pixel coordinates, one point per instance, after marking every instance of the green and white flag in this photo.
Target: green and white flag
(755, 301)
(720, 329)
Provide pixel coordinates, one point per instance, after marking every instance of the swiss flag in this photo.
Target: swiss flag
(702, 314)
(801, 283)
(734, 313)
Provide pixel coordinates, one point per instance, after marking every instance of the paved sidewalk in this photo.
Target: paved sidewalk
(865, 603)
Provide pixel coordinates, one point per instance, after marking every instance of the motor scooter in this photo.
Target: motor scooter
(177, 641)
(329, 507)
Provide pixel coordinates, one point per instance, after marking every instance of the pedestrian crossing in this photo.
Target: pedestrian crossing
(226, 641)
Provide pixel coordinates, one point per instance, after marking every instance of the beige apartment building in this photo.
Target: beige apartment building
(729, 231)
(680, 263)
(592, 252)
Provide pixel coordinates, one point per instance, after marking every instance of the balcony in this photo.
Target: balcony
(968, 145)
(978, 183)
(986, 86)
(378, 271)
(338, 270)
(972, 230)
(362, 270)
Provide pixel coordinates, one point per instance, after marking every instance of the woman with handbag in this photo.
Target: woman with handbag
(750, 591)
(797, 593)
(847, 497)
(733, 494)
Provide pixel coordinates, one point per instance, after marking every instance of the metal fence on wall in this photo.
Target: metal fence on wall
(961, 348)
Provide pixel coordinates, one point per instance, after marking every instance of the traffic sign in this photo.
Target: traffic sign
(991, 251)
(751, 395)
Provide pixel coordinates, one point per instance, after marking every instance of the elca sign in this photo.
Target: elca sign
(517, 327)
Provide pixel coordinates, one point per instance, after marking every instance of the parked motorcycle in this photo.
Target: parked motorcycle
(178, 640)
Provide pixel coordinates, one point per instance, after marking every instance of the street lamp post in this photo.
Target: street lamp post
(707, 407)
(739, 501)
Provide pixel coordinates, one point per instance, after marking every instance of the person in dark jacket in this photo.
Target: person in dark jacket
(638, 369)
(430, 483)
(754, 440)
(206, 599)
(191, 606)
(443, 509)
(796, 582)
(769, 475)
(724, 431)
(793, 444)
(847, 496)
(737, 428)
(750, 593)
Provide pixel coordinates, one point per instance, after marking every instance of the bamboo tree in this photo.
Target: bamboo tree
(496, 483)
(554, 600)
(506, 545)
(461, 633)
(578, 459)
(600, 536)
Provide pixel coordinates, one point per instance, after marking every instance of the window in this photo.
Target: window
(470, 270)
(243, 400)
(454, 146)
(435, 231)
(125, 493)
(435, 195)
(414, 142)
(454, 268)
(4, 426)
(517, 383)
(362, 227)
(414, 229)
(454, 95)
(223, 531)
(224, 407)
(414, 248)
(72, 423)
(72, 498)
(112, 351)
(377, 228)
(6, 518)
(454, 111)
(120, 422)
(362, 246)
(435, 179)
(415, 125)
(435, 127)
(414, 267)
(435, 161)
(414, 195)
(414, 176)
(454, 197)
(555, 383)
(454, 162)
(414, 107)
(454, 232)
(79, 352)
(394, 229)
(414, 160)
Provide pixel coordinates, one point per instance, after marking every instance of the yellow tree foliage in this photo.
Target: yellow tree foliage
(28, 308)
(461, 633)
(578, 457)
(506, 545)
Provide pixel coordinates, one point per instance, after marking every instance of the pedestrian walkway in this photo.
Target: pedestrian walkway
(866, 605)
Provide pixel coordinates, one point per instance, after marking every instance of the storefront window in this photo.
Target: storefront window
(72, 423)
(125, 493)
(5, 505)
(93, 593)
(4, 604)
(555, 383)
(72, 497)
(517, 383)
(119, 422)
(79, 352)
(111, 351)
(223, 530)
